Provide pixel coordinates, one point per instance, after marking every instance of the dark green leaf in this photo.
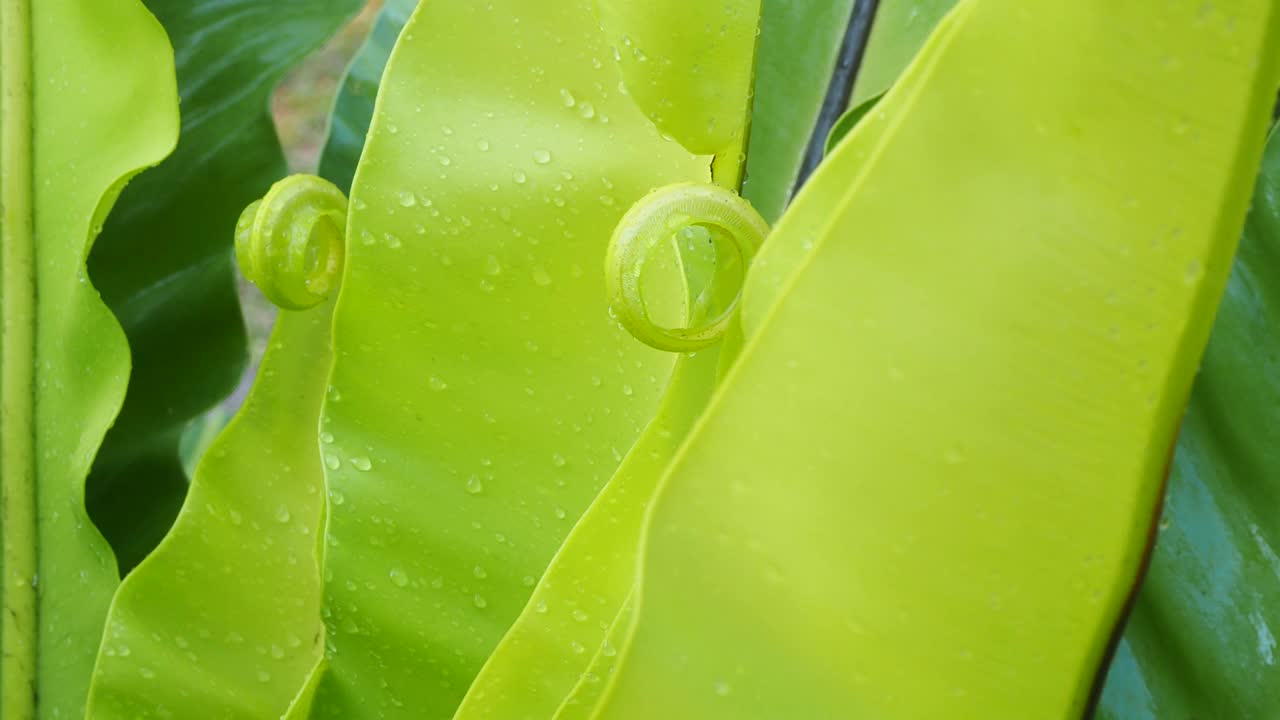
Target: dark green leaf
(353, 109)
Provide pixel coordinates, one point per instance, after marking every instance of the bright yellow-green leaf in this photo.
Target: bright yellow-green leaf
(480, 396)
(88, 99)
(223, 618)
(925, 487)
(560, 641)
(687, 64)
(899, 31)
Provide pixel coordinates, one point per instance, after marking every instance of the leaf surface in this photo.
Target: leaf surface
(353, 109)
(799, 42)
(223, 619)
(481, 396)
(1201, 639)
(163, 263)
(88, 100)
(908, 537)
(897, 34)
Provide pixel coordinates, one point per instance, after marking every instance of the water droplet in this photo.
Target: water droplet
(567, 98)
(361, 463)
(580, 615)
(326, 438)
(722, 688)
(479, 572)
(540, 606)
(483, 145)
(436, 383)
(541, 277)
(479, 601)
(595, 381)
(236, 518)
(519, 177)
(398, 578)
(527, 581)
(558, 460)
(407, 199)
(446, 129)
(337, 497)
(626, 390)
(444, 160)
(474, 486)
(264, 676)
(542, 157)
(147, 673)
(577, 647)
(282, 514)
(560, 513)
(332, 462)
(1194, 269)
(492, 266)
(393, 128)
(586, 110)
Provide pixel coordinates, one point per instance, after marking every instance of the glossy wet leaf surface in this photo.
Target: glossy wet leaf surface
(102, 106)
(223, 619)
(904, 574)
(164, 264)
(481, 396)
(353, 109)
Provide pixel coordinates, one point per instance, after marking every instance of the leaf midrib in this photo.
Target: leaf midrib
(17, 352)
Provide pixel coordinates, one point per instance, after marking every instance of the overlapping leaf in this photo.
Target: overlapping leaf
(163, 264)
(89, 100)
(481, 396)
(1199, 640)
(926, 483)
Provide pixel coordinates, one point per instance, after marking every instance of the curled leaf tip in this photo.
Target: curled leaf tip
(653, 221)
(291, 243)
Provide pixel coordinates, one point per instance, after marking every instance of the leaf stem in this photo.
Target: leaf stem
(17, 352)
(840, 89)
